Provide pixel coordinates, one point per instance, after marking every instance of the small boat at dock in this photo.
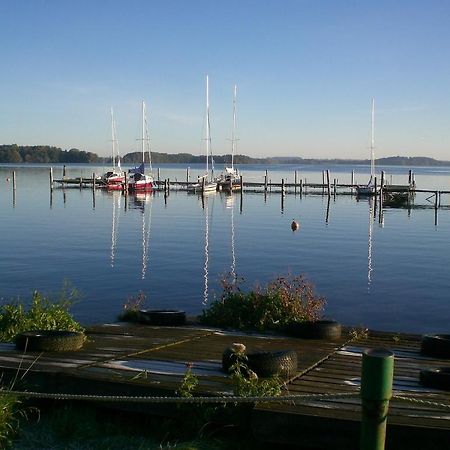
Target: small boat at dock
(114, 178)
(205, 183)
(139, 180)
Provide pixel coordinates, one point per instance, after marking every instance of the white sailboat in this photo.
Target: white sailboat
(205, 183)
(230, 177)
(369, 188)
(114, 178)
(140, 181)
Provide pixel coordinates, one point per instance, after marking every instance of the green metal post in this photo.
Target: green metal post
(376, 391)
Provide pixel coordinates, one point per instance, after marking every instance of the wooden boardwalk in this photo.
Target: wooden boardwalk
(124, 359)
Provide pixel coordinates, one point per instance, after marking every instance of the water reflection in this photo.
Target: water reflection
(205, 204)
(229, 204)
(372, 206)
(116, 199)
(143, 202)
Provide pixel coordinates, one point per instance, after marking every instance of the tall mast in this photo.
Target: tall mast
(233, 132)
(372, 143)
(207, 124)
(113, 140)
(143, 132)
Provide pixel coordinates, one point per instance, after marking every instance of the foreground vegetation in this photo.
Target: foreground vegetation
(273, 307)
(41, 314)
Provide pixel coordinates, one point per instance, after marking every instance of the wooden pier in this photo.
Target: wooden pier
(141, 360)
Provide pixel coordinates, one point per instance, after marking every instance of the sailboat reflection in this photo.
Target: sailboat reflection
(143, 201)
(205, 204)
(229, 204)
(369, 249)
(115, 224)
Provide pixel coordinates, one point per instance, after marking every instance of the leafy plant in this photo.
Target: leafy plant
(42, 314)
(282, 301)
(188, 383)
(246, 382)
(131, 307)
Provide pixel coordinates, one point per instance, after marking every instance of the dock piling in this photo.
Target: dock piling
(328, 183)
(51, 178)
(14, 180)
(376, 390)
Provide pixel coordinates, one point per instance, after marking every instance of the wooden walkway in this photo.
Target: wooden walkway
(124, 359)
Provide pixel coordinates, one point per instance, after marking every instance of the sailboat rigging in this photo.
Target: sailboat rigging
(114, 178)
(369, 188)
(205, 183)
(230, 176)
(140, 181)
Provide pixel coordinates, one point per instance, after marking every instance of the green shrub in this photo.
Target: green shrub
(282, 301)
(132, 307)
(42, 314)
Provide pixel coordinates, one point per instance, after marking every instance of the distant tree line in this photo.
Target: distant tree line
(44, 154)
(47, 154)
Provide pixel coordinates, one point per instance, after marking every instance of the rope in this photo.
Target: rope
(422, 402)
(149, 399)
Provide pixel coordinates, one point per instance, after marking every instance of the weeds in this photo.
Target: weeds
(131, 307)
(42, 314)
(282, 301)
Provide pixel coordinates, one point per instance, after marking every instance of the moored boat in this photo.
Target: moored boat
(139, 180)
(114, 178)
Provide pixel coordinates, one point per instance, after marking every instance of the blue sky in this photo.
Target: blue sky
(306, 72)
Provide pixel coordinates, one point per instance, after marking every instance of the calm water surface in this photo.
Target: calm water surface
(392, 275)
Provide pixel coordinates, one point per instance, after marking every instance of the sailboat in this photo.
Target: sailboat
(369, 188)
(229, 180)
(113, 179)
(140, 181)
(205, 183)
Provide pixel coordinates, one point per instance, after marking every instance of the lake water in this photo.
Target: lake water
(392, 275)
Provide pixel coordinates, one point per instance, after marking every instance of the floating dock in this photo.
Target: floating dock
(141, 360)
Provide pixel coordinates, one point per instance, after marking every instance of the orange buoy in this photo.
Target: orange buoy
(295, 225)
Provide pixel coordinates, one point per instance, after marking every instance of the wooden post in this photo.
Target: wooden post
(377, 375)
(328, 182)
(295, 182)
(334, 186)
(187, 176)
(203, 185)
(14, 180)
(410, 177)
(436, 200)
(168, 186)
(125, 185)
(64, 171)
(382, 179)
(353, 178)
(159, 175)
(301, 187)
(51, 178)
(270, 185)
(93, 182)
(282, 186)
(242, 185)
(265, 182)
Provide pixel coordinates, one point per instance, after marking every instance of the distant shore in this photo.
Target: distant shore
(44, 154)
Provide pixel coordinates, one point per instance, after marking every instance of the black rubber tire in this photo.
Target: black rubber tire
(437, 345)
(267, 364)
(162, 317)
(318, 329)
(50, 340)
(436, 378)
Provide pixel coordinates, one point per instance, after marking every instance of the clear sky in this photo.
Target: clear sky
(306, 72)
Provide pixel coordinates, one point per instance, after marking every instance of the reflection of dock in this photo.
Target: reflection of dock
(115, 358)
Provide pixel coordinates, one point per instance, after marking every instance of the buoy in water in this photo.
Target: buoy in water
(295, 225)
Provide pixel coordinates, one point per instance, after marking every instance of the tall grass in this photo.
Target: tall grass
(41, 314)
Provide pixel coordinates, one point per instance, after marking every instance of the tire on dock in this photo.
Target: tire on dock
(266, 364)
(436, 378)
(50, 340)
(315, 329)
(437, 345)
(162, 317)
